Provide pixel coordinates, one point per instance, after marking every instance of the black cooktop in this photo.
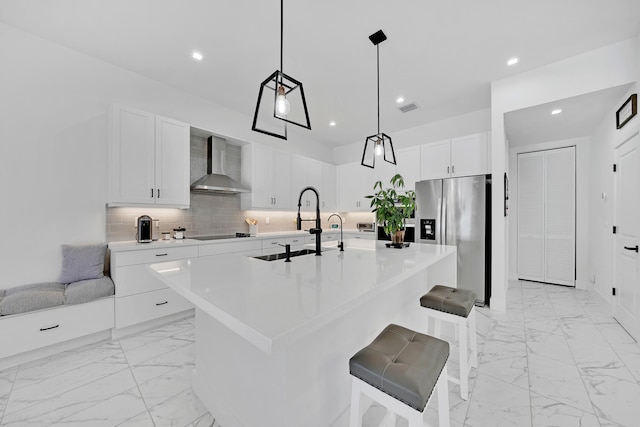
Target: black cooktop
(224, 236)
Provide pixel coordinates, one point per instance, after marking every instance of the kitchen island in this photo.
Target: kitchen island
(273, 339)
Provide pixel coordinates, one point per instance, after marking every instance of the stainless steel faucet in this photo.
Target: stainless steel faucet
(341, 244)
(318, 229)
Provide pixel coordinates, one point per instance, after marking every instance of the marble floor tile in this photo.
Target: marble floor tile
(559, 381)
(113, 411)
(614, 399)
(496, 403)
(549, 345)
(555, 357)
(164, 387)
(551, 413)
(56, 407)
(180, 410)
(165, 363)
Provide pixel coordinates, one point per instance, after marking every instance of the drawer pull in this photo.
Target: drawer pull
(50, 327)
(162, 254)
(162, 303)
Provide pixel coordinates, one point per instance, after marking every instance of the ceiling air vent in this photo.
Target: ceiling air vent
(408, 107)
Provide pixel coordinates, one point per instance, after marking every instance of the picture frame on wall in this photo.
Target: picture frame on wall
(627, 111)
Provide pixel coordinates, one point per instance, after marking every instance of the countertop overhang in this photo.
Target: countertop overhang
(272, 303)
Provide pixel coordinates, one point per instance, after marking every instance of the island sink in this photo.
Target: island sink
(282, 255)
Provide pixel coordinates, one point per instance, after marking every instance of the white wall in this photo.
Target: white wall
(583, 190)
(610, 66)
(54, 106)
(602, 198)
(466, 124)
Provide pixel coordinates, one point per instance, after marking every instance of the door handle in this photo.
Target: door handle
(632, 248)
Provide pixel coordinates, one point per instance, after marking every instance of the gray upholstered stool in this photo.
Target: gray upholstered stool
(456, 306)
(399, 370)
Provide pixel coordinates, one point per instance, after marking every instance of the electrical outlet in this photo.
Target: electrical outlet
(266, 220)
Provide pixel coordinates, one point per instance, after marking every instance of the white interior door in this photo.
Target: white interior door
(531, 216)
(627, 207)
(560, 205)
(546, 216)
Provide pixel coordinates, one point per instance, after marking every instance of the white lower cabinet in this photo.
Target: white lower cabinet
(33, 330)
(139, 308)
(359, 235)
(140, 296)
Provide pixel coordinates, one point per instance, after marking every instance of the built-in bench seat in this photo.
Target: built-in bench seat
(80, 303)
(38, 296)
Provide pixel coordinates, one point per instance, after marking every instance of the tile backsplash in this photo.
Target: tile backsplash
(211, 214)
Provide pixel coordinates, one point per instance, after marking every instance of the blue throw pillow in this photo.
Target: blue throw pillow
(82, 262)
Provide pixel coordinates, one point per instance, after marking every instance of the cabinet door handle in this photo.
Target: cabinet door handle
(448, 169)
(162, 303)
(162, 254)
(453, 170)
(632, 248)
(49, 328)
(158, 193)
(152, 193)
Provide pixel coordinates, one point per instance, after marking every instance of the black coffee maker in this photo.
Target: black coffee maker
(143, 232)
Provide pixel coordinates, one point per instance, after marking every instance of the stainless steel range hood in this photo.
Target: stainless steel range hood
(216, 180)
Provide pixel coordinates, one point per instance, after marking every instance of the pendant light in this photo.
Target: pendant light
(378, 145)
(280, 100)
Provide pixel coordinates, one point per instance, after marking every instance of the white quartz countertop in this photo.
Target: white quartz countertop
(271, 303)
(134, 246)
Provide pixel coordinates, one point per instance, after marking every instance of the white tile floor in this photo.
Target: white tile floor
(556, 357)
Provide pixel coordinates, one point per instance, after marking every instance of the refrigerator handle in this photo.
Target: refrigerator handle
(443, 222)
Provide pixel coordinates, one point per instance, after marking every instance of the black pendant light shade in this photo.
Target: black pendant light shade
(280, 100)
(380, 144)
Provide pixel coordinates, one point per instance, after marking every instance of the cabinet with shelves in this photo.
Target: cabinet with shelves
(148, 160)
(267, 172)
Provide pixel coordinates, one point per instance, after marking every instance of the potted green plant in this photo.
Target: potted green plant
(392, 207)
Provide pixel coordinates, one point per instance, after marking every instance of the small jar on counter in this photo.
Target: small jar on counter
(179, 233)
(166, 235)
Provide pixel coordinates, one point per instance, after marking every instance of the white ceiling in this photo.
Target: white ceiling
(442, 55)
(580, 116)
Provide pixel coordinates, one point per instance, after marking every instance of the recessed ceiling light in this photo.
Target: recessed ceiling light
(512, 61)
(332, 123)
(556, 111)
(197, 56)
(400, 100)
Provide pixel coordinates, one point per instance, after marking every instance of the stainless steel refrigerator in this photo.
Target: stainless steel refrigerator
(457, 212)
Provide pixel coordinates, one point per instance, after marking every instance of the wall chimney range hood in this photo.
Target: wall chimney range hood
(216, 180)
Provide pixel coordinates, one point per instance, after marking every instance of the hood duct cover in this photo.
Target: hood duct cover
(216, 180)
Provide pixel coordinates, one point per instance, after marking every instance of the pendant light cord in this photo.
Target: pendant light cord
(378, 69)
(281, 33)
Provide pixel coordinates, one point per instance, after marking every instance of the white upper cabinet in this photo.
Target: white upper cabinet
(470, 155)
(354, 182)
(148, 160)
(463, 156)
(267, 172)
(328, 194)
(307, 172)
(408, 166)
(435, 160)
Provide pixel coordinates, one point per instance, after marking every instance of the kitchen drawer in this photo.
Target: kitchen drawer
(135, 279)
(330, 237)
(36, 329)
(272, 246)
(139, 308)
(360, 235)
(230, 247)
(152, 255)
